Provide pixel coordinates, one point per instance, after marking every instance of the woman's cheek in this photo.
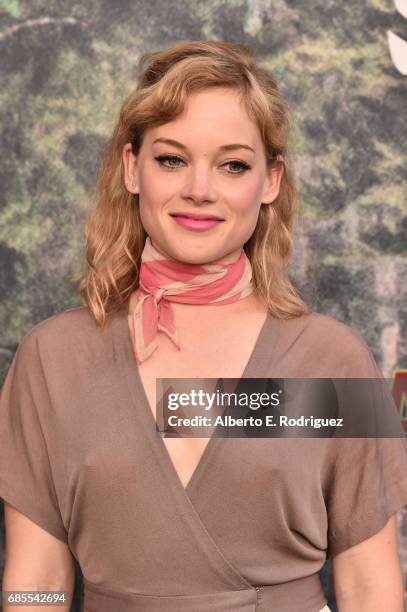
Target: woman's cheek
(248, 209)
(246, 196)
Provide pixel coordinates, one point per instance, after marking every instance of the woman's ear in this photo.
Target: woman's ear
(130, 167)
(273, 181)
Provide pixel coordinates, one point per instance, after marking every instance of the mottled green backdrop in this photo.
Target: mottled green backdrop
(65, 69)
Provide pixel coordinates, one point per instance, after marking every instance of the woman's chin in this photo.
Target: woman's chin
(191, 250)
(196, 255)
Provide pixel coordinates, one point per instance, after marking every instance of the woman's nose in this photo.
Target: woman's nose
(199, 184)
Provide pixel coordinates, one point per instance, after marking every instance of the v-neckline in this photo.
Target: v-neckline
(129, 368)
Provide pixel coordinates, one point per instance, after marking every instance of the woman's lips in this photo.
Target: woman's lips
(198, 225)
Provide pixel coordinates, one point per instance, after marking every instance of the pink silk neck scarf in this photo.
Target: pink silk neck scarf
(164, 280)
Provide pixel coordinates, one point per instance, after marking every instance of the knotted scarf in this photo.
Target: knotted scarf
(164, 280)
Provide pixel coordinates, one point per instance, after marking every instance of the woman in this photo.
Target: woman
(187, 248)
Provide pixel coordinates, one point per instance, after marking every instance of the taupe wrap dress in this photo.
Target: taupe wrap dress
(80, 456)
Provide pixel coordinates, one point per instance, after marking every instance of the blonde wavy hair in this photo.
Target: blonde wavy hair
(114, 233)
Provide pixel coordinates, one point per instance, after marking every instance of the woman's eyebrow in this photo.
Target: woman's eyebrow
(228, 147)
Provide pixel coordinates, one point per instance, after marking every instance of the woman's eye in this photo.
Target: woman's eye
(163, 158)
(241, 166)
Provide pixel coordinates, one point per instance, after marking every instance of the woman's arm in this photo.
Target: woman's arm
(367, 576)
(35, 561)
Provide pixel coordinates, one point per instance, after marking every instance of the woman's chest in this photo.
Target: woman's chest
(208, 357)
(205, 353)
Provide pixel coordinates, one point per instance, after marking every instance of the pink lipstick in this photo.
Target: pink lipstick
(196, 222)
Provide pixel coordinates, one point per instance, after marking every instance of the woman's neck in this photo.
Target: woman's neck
(201, 314)
(223, 261)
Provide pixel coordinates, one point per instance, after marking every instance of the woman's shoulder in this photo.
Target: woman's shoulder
(74, 321)
(326, 343)
(322, 328)
(327, 327)
(70, 330)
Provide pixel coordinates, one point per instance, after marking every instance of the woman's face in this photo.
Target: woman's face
(209, 161)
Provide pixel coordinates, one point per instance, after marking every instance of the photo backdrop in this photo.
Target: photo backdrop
(66, 68)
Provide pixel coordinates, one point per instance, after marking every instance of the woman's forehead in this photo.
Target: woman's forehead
(216, 118)
(216, 102)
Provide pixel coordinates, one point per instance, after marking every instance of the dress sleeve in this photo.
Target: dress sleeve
(26, 477)
(366, 489)
(367, 480)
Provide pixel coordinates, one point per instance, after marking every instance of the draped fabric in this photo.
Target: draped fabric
(164, 280)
